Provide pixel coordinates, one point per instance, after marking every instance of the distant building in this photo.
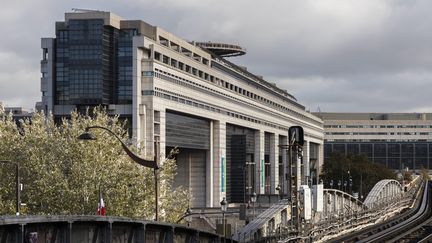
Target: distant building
(227, 122)
(18, 113)
(397, 140)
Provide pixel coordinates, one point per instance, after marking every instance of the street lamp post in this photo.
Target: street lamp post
(188, 218)
(17, 184)
(278, 189)
(339, 184)
(331, 184)
(146, 163)
(224, 205)
(253, 200)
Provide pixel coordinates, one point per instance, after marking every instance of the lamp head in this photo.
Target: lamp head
(253, 197)
(224, 205)
(188, 211)
(87, 135)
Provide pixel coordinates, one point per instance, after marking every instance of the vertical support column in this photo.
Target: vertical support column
(162, 135)
(259, 162)
(136, 89)
(285, 186)
(149, 131)
(274, 163)
(306, 163)
(336, 202)
(219, 162)
(210, 169)
(320, 161)
(343, 204)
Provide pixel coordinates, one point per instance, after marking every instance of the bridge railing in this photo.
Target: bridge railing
(70, 229)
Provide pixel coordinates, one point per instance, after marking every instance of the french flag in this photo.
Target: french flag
(101, 206)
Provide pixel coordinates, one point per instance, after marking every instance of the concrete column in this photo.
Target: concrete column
(219, 162)
(320, 159)
(162, 136)
(210, 169)
(259, 162)
(306, 163)
(149, 131)
(274, 162)
(136, 87)
(284, 182)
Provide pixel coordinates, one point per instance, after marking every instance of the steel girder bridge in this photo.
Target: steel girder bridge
(72, 229)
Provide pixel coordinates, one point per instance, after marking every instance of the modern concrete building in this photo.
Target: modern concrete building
(397, 140)
(227, 122)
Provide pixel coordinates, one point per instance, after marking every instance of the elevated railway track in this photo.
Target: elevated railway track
(412, 225)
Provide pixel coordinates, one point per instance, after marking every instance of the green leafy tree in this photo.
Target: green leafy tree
(63, 175)
(364, 174)
(425, 173)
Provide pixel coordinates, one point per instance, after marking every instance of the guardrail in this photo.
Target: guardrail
(70, 229)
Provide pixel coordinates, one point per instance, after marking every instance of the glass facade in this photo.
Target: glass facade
(124, 58)
(394, 155)
(93, 64)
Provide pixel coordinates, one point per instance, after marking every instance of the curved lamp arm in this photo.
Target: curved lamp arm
(141, 161)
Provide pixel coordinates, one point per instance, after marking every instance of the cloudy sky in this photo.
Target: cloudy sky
(338, 55)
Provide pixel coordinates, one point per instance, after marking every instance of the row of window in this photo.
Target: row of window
(188, 101)
(379, 133)
(201, 88)
(391, 154)
(378, 140)
(377, 126)
(205, 76)
(176, 47)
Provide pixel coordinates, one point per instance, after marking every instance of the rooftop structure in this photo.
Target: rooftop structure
(222, 49)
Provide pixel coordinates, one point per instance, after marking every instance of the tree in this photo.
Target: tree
(425, 173)
(62, 175)
(358, 168)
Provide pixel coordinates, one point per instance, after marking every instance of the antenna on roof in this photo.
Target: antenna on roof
(80, 10)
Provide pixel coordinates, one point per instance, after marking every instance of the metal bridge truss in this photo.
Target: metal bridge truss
(337, 203)
(383, 192)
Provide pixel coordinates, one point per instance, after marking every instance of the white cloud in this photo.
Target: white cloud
(341, 55)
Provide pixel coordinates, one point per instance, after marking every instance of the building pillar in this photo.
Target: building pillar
(210, 169)
(306, 163)
(148, 130)
(136, 92)
(274, 163)
(320, 161)
(219, 162)
(259, 162)
(284, 182)
(161, 132)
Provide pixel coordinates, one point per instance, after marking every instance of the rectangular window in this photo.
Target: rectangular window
(157, 56)
(45, 54)
(147, 73)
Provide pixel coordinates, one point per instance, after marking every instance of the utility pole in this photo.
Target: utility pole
(295, 154)
(296, 140)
